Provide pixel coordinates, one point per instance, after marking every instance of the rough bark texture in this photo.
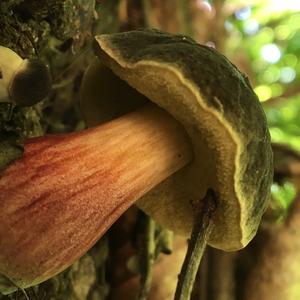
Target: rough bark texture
(58, 32)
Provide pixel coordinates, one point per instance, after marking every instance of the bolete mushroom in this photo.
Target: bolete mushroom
(23, 82)
(66, 190)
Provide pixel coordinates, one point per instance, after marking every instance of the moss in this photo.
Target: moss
(107, 12)
(8, 153)
(28, 27)
(16, 124)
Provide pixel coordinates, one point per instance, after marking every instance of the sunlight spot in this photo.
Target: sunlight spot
(282, 5)
(263, 92)
(205, 6)
(270, 53)
(272, 74)
(287, 75)
(282, 32)
(277, 89)
(243, 14)
(228, 25)
(276, 134)
(251, 27)
(290, 60)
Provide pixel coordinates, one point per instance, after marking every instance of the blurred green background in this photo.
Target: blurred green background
(264, 41)
(267, 34)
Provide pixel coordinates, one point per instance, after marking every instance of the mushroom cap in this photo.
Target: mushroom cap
(10, 61)
(220, 112)
(31, 83)
(22, 81)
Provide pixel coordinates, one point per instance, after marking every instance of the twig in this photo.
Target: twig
(196, 247)
(147, 259)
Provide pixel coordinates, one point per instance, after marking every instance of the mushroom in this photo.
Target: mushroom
(23, 82)
(205, 131)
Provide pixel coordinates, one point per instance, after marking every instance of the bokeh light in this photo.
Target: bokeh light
(290, 60)
(263, 92)
(271, 74)
(271, 53)
(283, 5)
(244, 13)
(287, 75)
(251, 27)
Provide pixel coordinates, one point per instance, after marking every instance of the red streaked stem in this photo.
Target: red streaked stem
(67, 190)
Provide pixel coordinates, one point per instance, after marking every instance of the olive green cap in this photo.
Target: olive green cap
(220, 112)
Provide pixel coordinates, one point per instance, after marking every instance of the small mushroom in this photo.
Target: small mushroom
(67, 190)
(23, 82)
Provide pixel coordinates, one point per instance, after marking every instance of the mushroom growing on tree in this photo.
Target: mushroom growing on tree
(23, 82)
(205, 131)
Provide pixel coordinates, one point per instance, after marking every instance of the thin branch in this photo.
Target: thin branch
(147, 259)
(196, 247)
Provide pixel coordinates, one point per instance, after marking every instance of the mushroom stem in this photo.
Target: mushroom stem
(67, 190)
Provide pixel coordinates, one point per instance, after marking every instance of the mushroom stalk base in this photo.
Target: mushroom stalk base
(67, 190)
(196, 247)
